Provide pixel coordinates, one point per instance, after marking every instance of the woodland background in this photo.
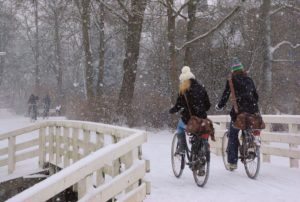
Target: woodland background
(118, 61)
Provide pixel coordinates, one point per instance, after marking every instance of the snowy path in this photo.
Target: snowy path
(276, 182)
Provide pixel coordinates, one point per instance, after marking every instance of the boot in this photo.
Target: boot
(181, 143)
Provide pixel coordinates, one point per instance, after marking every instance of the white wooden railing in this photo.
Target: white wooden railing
(284, 144)
(106, 161)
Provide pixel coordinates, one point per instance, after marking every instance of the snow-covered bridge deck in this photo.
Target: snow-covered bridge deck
(276, 181)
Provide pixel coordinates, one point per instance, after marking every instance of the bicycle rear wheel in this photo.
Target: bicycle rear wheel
(178, 160)
(251, 160)
(201, 162)
(224, 150)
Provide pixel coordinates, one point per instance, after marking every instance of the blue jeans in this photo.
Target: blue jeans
(180, 132)
(180, 127)
(233, 144)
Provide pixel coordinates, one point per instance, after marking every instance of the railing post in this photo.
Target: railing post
(86, 141)
(294, 163)
(11, 154)
(82, 184)
(266, 157)
(51, 144)
(57, 140)
(75, 144)
(42, 147)
(223, 126)
(116, 163)
(66, 147)
(100, 175)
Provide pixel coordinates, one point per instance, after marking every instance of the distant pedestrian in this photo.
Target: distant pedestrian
(46, 104)
(58, 110)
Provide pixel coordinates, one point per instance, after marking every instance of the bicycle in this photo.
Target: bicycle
(197, 154)
(249, 151)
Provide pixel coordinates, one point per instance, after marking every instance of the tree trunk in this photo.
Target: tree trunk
(134, 31)
(101, 52)
(37, 51)
(267, 56)
(1, 68)
(57, 40)
(85, 17)
(173, 76)
(192, 8)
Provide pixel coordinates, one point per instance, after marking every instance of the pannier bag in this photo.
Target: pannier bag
(197, 125)
(245, 121)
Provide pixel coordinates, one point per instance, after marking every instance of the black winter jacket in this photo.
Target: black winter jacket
(246, 95)
(197, 99)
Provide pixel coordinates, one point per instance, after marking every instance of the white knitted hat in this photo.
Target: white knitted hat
(186, 74)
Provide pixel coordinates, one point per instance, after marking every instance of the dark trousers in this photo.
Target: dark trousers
(233, 144)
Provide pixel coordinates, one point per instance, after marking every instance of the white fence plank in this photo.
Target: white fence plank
(11, 154)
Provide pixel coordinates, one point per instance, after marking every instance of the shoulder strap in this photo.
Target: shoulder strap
(187, 104)
(233, 97)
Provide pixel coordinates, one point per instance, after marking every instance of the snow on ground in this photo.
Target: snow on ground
(276, 181)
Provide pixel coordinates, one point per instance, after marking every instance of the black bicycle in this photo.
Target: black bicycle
(197, 155)
(249, 151)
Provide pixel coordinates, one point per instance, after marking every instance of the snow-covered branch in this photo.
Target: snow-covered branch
(284, 7)
(235, 10)
(279, 60)
(274, 48)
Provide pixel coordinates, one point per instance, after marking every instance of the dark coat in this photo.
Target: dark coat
(197, 99)
(47, 101)
(33, 99)
(245, 92)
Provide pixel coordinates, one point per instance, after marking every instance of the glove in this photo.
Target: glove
(172, 110)
(218, 108)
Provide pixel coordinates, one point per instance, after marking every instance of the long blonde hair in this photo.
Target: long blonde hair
(184, 86)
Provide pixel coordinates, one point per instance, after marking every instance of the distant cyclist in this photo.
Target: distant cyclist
(32, 108)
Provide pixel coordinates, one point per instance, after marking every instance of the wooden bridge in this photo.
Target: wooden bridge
(103, 162)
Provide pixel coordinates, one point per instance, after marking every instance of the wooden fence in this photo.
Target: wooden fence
(280, 138)
(106, 160)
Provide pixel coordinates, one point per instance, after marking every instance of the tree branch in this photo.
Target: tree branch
(274, 48)
(124, 8)
(235, 10)
(181, 8)
(169, 6)
(113, 11)
(284, 7)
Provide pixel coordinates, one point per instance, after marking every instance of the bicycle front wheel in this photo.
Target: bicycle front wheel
(178, 160)
(201, 162)
(224, 150)
(251, 160)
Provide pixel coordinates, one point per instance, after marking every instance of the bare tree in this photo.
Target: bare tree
(84, 7)
(134, 31)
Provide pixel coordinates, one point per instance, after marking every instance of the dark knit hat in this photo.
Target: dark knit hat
(236, 65)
